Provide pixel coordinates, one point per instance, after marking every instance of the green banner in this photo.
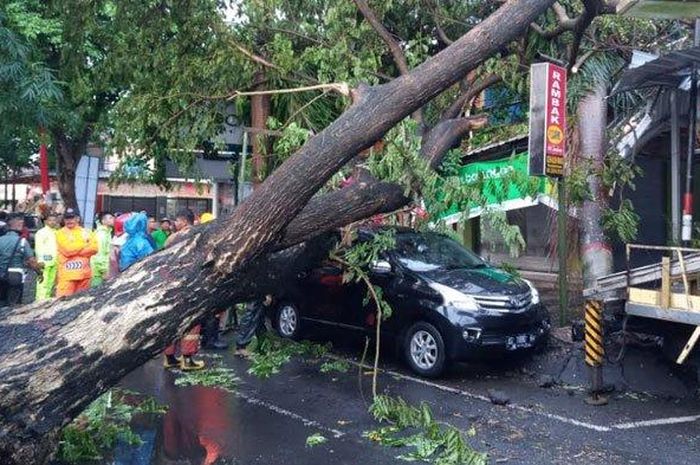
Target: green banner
(504, 183)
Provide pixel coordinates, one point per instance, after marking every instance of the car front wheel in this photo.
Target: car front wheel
(288, 321)
(424, 349)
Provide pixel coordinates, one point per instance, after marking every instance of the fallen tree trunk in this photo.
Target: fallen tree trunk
(59, 355)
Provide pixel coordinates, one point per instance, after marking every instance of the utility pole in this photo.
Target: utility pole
(562, 249)
(688, 197)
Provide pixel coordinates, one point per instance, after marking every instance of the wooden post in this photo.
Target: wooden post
(689, 346)
(665, 282)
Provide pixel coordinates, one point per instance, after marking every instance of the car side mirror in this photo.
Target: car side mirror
(380, 267)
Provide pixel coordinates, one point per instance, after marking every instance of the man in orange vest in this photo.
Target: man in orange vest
(189, 345)
(75, 247)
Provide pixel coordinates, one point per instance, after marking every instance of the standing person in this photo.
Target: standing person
(252, 324)
(75, 247)
(160, 235)
(183, 223)
(210, 327)
(47, 254)
(189, 345)
(100, 261)
(118, 242)
(15, 256)
(151, 225)
(137, 245)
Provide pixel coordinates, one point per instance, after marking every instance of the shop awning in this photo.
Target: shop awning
(504, 187)
(669, 70)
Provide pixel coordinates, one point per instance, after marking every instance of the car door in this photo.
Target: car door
(326, 293)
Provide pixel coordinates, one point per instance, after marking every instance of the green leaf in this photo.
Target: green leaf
(315, 440)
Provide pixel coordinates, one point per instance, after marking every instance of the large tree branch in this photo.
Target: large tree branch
(369, 196)
(447, 134)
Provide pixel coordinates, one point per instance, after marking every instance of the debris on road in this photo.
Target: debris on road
(498, 397)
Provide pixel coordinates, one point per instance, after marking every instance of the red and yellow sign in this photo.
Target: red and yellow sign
(547, 120)
(555, 121)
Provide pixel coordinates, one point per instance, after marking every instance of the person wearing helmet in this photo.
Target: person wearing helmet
(75, 247)
(137, 245)
(206, 217)
(100, 261)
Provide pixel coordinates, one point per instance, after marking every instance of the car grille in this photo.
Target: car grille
(503, 303)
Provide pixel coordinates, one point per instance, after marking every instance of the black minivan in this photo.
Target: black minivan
(448, 304)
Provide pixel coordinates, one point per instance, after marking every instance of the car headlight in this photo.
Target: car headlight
(456, 299)
(535, 293)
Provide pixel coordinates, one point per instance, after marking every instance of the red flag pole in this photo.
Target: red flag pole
(44, 165)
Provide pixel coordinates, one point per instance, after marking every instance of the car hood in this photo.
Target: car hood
(476, 281)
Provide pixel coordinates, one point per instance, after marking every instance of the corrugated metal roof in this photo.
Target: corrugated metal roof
(668, 70)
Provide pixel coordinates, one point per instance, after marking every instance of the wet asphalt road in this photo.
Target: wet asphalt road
(268, 421)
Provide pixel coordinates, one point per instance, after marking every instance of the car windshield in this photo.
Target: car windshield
(428, 252)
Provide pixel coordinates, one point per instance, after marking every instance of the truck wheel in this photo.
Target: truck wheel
(424, 350)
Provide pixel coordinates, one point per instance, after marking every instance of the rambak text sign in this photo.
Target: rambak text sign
(547, 120)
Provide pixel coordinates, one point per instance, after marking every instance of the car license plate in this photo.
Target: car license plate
(521, 341)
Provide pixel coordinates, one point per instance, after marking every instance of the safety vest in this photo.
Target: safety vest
(46, 249)
(104, 245)
(75, 247)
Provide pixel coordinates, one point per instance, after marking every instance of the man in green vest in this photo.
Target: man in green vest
(99, 263)
(47, 253)
(161, 234)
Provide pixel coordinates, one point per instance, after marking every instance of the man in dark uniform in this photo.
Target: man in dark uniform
(15, 256)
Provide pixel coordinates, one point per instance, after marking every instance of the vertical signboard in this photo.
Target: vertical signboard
(547, 144)
(86, 179)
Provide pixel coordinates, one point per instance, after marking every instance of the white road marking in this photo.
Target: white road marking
(657, 422)
(277, 409)
(522, 408)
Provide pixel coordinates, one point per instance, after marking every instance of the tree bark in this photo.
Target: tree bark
(68, 154)
(259, 113)
(595, 247)
(59, 355)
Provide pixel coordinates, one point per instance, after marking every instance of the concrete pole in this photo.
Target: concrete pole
(215, 199)
(595, 247)
(596, 253)
(241, 168)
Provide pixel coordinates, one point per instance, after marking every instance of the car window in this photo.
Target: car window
(428, 252)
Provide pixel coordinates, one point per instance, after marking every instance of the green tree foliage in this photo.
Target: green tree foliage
(27, 88)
